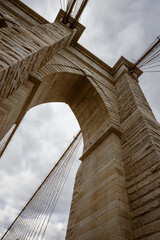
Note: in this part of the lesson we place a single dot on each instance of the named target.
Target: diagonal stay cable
(34, 205)
(61, 187)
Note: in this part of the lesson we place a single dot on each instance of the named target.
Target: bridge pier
(117, 187)
(100, 208)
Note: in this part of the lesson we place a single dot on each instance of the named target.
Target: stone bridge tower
(117, 186)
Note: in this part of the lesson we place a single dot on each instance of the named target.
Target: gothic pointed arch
(64, 82)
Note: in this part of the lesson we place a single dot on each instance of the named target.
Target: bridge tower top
(73, 12)
(116, 192)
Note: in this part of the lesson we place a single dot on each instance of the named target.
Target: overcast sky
(113, 28)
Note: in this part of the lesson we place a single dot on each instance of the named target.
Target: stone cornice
(122, 74)
(109, 131)
(90, 55)
(69, 50)
(124, 62)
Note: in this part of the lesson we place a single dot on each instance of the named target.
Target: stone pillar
(100, 206)
(23, 51)
(140, 141)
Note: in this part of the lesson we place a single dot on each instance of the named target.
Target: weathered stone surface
(117, 189)
(140, 143)
(24, 50)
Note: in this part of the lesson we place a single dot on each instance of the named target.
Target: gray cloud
(30, 156)
(113, 28)
(120, 28)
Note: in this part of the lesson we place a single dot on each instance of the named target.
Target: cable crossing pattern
(32, 221)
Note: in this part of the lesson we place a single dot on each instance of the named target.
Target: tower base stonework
(117, 187)
(140, 141)
(117, 184)
(100, 207)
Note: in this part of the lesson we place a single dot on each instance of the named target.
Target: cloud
(113, 28)
(48, 8)
(41, 139)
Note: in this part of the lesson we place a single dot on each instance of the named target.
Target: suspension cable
(150, 59)
(31, 223)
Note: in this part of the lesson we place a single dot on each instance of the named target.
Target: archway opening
(37, 145)
(84, 98)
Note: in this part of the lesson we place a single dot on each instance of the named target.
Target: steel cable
(33, 220)
(45, 212)
(150, 60)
